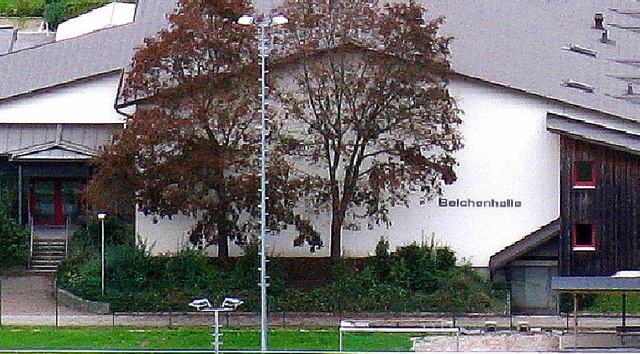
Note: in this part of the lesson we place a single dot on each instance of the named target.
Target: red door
(53, 201)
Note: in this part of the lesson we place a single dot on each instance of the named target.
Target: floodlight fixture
(200, 304)
(232, 302)
(279, 19)
(229, 304)
(246, 20)
(102, 215)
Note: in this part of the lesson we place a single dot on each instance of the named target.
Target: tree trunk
(223, 246)
(336, 236)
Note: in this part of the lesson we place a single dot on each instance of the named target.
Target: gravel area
(502, 342)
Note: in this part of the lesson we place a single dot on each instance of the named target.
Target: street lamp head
(102, 215)
(279, 19)
(276, 19)
(246, 20)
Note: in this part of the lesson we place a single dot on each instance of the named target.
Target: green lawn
(21, 7)
(192, 338)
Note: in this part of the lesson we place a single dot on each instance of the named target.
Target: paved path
(28, 299)
(30, 294)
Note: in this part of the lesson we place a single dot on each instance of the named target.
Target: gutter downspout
(116, 105)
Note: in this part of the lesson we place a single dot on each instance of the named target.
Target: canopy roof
(595, 284)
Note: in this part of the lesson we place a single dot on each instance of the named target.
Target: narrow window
(584, 237)
(584, 174)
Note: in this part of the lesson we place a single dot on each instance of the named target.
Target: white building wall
(508, 157)
(109, 15)
(83, 101)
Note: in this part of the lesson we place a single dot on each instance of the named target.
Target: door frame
(58, 199)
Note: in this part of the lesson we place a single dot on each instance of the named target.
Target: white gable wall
(84, 101)
(109, 15)
(508, 157)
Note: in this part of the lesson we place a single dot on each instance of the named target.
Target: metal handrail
(66, 238)
(31, 241)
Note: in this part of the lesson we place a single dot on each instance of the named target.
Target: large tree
(363, 90)
(191, 145)
(367, 105)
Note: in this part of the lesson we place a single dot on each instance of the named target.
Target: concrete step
(47, 254)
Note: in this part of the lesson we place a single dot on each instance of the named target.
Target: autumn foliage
(368, 103)
(363, 119)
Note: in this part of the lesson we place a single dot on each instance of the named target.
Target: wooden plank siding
(613, 207)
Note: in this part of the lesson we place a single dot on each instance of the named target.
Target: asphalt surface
(28, 299)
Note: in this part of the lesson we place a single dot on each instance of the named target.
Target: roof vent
(630, 88)
(582, 50)
(605, 38)
(579, 86)
(599, 19)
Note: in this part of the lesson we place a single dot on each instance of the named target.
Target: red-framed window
(584, 237)
(584, 174)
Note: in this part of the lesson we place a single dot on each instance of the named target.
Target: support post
(216, 332)
(102, 256)
(0, 302)
(575, 314)
(624, 309)
(264, 321)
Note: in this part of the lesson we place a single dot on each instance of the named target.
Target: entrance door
(53, 201)
(531, 289)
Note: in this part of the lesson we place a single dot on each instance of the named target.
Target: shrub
(14, 240)
(382, 263)
(415, 278)
(415, 269)
(88, 235)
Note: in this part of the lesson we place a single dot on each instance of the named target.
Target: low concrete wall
(68, 299)
(22, 23)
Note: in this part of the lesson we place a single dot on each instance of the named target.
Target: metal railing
(31, 230)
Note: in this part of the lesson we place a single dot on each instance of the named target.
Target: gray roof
(99, 52)
(598, 132)
(29, 142)
(594, 284)
(528, 243)
(527, 45)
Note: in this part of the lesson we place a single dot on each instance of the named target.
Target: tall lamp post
(264, 48)
(101, 217)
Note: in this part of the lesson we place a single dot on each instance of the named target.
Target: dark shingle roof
(528, 243)
(99, 52)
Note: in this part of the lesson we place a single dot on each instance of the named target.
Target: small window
(584, 237)
(584, 174)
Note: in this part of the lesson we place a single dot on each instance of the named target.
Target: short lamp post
(101, 217)
(228, 305)
(264, 48)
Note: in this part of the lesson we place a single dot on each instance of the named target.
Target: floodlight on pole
(101, 217)
(229, 304)
(264, 48)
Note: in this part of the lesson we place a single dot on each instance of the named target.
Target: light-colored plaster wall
(84, 101)
(508, 155)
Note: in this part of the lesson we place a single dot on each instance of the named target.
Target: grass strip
(192, 338)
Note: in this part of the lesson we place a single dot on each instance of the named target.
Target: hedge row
(414, 278)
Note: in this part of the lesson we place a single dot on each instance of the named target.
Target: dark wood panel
(612, 207)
